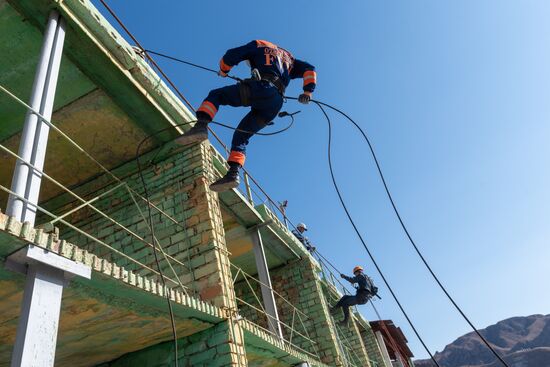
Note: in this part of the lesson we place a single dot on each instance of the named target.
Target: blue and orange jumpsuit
(266, 99)
(365, 287)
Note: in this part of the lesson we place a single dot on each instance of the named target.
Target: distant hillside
(522, 341)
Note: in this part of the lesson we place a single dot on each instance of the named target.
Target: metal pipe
(247, 186)
(36, 335)
(21, 173)
(42, 130)
(265, 285)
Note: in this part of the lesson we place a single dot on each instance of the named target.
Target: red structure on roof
(395, 341)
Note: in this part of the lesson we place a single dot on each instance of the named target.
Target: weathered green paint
(20, 48)
(92, 120)
(131, 104)
(208, 348)
(103, 317)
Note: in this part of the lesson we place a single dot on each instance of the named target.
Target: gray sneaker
(196, 134)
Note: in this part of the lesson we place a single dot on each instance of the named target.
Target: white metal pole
(266, 287)
(383, 348)
(42, 132)
(36, 336)
(21, 172)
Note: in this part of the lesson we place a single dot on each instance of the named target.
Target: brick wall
(178, 185)
(373, 349)
(350, 337)
(196, 240)
(219, 346)
(298, 283)
(250, 293)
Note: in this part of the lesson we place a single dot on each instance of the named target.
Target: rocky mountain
(522, 341)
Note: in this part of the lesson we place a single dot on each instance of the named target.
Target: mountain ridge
(523, 341)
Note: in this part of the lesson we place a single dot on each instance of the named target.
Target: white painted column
(383, 348)
(34, 138)
(46, 272)
(267, 291)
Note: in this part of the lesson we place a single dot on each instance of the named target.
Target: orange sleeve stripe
(310, 77)
(237, 157)
(208, 108)
(224, 67)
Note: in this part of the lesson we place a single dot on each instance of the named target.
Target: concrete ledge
(32, 254)
(257, 336)
(23, 234)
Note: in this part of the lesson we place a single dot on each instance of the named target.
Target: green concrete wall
(209, 348)
(299, 284)
(373, 349)
(355, 352)
(178, 185)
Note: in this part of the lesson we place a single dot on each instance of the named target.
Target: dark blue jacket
(303, 239)
(364, 283)
(271, 59)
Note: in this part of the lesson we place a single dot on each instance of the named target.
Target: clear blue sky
(455, 96)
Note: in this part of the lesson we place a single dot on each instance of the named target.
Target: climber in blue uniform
(272, 69)
(365, 291)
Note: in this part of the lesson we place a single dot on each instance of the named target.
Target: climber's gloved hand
(304, 98)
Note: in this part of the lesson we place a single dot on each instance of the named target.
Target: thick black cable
(258, 133)
(336, 187)
(190, 64)
(150, 216)
(405, 229)
(352, 222)
(227, 127)
(387, 192)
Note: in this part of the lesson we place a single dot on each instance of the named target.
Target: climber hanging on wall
(365, 291)
(272, 69)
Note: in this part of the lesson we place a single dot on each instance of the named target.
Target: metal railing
(292, 330)
(120, 254)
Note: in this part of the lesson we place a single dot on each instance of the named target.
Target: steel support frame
(46, 273)
(34, 138)
(383, 348)
(268, 296)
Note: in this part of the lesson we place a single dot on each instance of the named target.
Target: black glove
(342, 276)
(304, 98)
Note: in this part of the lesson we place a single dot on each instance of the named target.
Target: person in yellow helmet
(365, 291)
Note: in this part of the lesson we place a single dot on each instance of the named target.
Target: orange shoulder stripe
(262, 43)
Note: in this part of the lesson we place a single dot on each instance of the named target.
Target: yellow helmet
(357, 268)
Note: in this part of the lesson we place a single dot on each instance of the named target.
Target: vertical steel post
(38, 322)
(383, 348)
(267, 291)
(34, 138)
(248, 190)
(36, 337)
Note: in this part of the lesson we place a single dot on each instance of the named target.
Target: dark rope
(344, 206)
(320, 104)
(409, 237)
